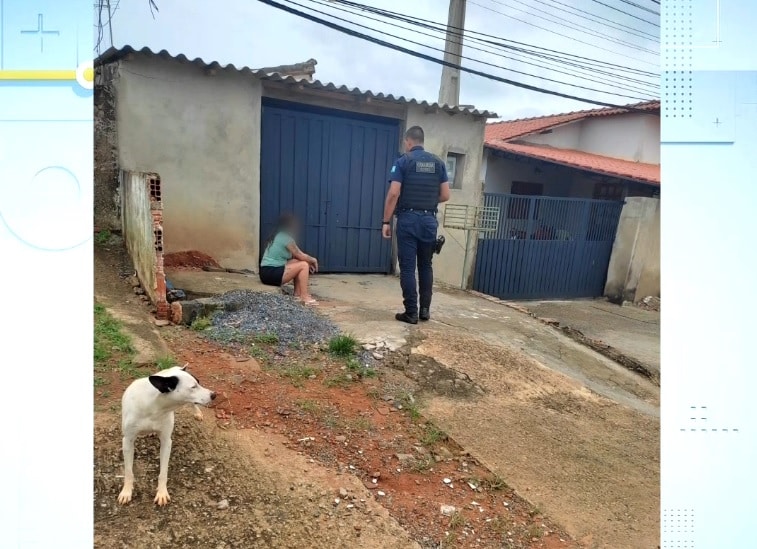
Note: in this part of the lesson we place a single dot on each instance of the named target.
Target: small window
(455, 170)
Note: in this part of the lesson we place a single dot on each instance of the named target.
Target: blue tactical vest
(420, 188)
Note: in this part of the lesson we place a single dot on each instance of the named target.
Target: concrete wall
(107, 201)
(634, 137)
(634, 270)
(201, 134)
(461, 134)
(143, 234)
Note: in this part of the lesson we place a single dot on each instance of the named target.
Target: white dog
(148, 406)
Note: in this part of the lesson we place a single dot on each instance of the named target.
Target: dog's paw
(125, 496)
(198, 415)
(162, 498)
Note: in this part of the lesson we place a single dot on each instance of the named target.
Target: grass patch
(493, 483)
(165, 362)
(359, 369)
(201, 323)
(339, 380)
(298, 373)
(456, 521)
(534, 531)
(343, 345)
(266, 339)
(535, 511)
(422, 465)
(111, 344)
(259, 353)
(102, 237)
(359, 424)
(309, 406)
(408, 403)
(432, 435)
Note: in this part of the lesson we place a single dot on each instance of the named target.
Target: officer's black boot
(424, 314)
(404, 317)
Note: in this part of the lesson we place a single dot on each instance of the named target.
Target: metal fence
(546, 247)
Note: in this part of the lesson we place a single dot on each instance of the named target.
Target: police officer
(417, 184)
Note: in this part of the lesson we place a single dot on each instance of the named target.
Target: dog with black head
(148, 406)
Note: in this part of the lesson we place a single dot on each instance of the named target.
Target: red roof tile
(512, 129)
(648, 173)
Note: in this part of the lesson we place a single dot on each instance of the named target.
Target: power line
(419, 55)
(587, 73)
(530, 49)
(643, 8)
(575, 26)
(589, 16)
(561, 34)
(488, 63)
(625, 12)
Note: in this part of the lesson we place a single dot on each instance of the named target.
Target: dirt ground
(294, 453)
(591, 464)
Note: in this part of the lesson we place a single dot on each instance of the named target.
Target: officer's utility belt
(417, 210)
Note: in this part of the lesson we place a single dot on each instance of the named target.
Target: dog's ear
(164, 384)
(185, 366)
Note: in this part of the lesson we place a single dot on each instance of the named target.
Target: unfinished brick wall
(142, 221)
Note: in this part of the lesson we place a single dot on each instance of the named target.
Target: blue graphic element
(41, 32)
(41, 35)
(64, 175)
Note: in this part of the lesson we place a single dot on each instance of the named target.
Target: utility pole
(449, 90)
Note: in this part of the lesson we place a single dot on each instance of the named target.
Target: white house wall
(557, 180)
(634, 137)
(201, 135)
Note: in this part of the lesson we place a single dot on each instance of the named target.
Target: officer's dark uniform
(420, 174)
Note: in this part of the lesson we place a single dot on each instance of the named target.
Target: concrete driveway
(569, 429)
(633, 332)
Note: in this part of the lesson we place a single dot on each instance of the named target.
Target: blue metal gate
(546, 248)
(330, 169)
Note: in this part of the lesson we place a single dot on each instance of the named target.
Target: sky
(250, 33)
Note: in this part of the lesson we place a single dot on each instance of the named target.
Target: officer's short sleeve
(397, 172)
(443, 177)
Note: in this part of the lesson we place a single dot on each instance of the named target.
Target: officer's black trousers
(416, 238)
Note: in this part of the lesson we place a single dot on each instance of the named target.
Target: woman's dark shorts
(271, 276)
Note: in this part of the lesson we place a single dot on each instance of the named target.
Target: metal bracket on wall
(471, 219)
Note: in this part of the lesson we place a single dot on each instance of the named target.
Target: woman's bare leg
(293, 273)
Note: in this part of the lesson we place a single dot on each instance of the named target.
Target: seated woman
(284, 262)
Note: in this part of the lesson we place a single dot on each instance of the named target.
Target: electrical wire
(643, 8)
(589, 16)
(573, 26)
(530, 49)
(625, 12)
(574, 39)
(461, 68)
(587, 74)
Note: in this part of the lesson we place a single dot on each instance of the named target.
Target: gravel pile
(249, 313)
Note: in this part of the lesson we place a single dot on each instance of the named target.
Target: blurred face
(294, 227)
(408, 145)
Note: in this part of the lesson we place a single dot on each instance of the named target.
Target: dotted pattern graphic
(699, 422)
(678, 79)
(678, 529)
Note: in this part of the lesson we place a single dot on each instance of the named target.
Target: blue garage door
(330, 169)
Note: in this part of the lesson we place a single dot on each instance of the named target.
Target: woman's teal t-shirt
(277, 254)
